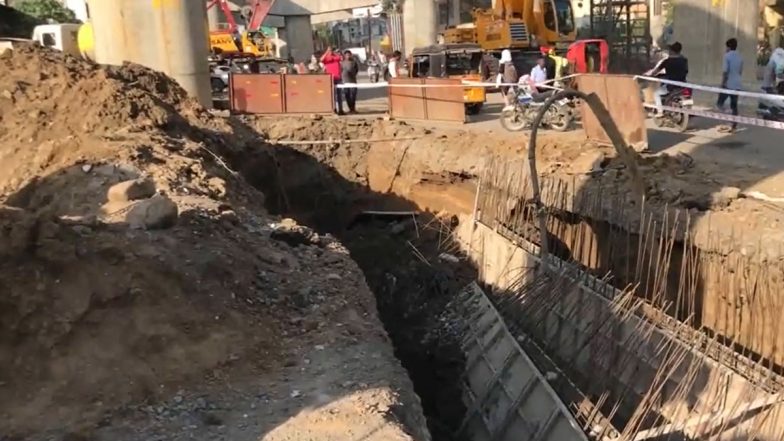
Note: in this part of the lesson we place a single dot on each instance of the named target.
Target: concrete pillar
(420, 24)
(454, 12)
(106, 17)
(214, 17)
(703, 26)
(184, 45)
(166, 35)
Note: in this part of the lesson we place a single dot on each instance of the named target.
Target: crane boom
(260, 11)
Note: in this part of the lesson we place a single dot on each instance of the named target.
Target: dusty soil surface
(438, 168)
(120, 319)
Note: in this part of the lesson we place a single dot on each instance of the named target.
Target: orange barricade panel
(256, 93)
(623, 99)
(445, 103)
(407, 102)
(309, 94)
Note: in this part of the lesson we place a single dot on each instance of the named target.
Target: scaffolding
(625, 25)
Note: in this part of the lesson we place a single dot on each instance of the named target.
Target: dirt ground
(122, 320)
(253, 291)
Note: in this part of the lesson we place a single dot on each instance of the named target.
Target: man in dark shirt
(549, 63)
(674, 68)
(349, 71)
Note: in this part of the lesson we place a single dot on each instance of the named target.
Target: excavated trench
(398, 248)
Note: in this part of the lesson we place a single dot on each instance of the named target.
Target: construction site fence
(273, 94)
(438, 99)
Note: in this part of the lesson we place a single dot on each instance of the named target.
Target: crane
(520, 24)
(252, 41)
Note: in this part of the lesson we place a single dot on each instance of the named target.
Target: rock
(87, 167)
(7, 94)
(588, 162)
(178, 399)
(295, 394)
(724, 197)
(446, 257)
(158, 212)
(334, 276)
(6, 54)
(217, 185)
(131, 190)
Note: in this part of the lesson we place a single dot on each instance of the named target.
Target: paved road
(758, 151)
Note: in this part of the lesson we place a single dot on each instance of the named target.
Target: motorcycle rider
(675, 67)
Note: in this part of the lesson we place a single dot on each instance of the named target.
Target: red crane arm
(261, 9)
(224, 6)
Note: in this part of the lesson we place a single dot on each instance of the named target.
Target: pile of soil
(99, 312)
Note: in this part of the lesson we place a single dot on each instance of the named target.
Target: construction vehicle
(519, 25)
(248, 42)
(463, 61)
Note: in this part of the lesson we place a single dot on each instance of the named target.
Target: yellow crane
(519, 24)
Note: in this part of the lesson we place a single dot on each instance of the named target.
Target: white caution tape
(757, 95)
(464, 84)
(724, 117)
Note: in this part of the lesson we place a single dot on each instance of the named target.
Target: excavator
(251, 42)
(519, 25)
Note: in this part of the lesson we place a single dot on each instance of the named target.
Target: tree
(47, 10)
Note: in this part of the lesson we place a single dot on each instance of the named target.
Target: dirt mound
(134, 262)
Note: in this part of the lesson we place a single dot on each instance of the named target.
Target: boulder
(132, 190)
(158, 212)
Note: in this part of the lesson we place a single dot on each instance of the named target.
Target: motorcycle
(772, 109)
(374, 72)
(521, 114)
(679, 98)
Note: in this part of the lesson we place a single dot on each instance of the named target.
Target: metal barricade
(444, 102)
(622, 97)
(269, 94)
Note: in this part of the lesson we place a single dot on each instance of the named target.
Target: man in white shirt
(393, 69)
(539, 72)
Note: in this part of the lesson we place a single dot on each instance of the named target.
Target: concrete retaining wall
(714, 388)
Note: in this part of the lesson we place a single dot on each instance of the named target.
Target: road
(754, 154)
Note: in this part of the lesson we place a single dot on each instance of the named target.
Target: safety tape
(464, 84)
(757, 95)
(723, 117)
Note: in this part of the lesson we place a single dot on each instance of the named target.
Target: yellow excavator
(519, 25)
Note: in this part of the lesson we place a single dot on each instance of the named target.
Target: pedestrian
(507, 74)
(331, 62)
(349, 72)
(314, 66)
(731, 78)
(774, 71)
(539, 72)
(549, 63)
(393, 70)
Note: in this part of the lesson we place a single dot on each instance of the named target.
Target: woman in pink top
(331, 62)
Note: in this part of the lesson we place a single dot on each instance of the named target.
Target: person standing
(731, 77)
(394, 65)
(507, 74)
(549, 62)
(349, 72)
(331, 63)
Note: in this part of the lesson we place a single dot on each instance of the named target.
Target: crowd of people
(344, 69)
